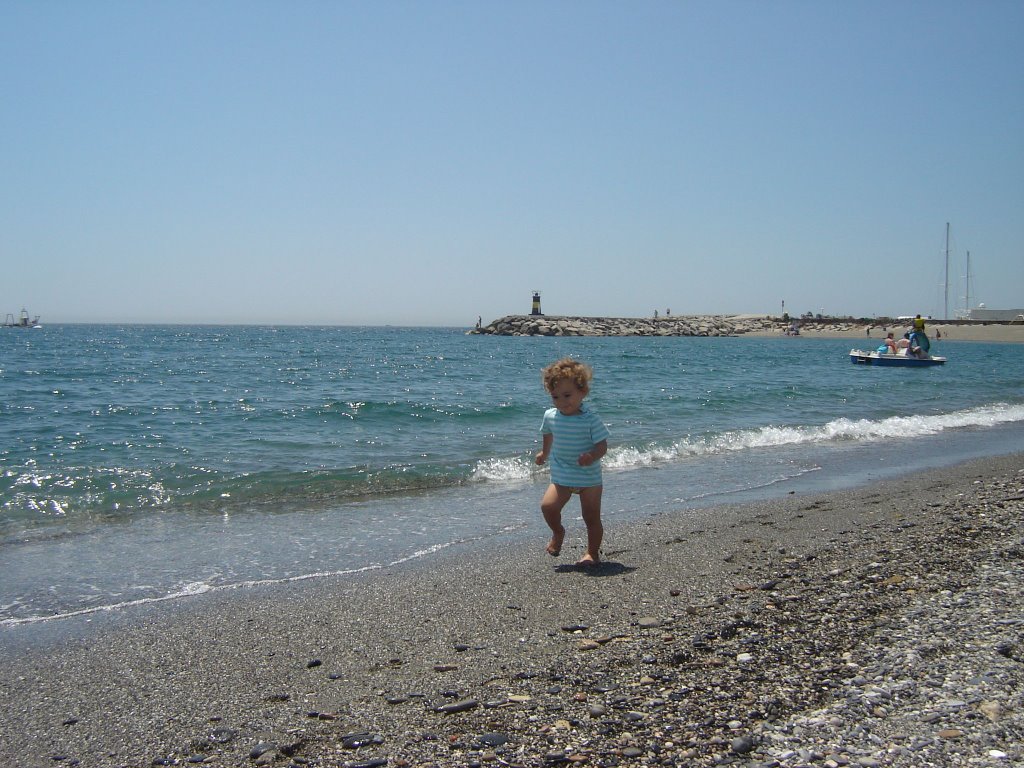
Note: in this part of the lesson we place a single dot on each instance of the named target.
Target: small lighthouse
(536, 304)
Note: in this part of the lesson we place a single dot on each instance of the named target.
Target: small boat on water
(912, 351)
(874, 357)
(23, 321)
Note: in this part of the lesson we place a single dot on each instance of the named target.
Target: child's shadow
(604, 568)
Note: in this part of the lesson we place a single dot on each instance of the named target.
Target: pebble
(459, 706)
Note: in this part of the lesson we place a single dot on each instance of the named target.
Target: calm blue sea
(148, 463)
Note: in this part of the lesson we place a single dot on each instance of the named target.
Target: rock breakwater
(681, 325)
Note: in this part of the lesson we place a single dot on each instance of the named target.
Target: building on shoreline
(996, 315)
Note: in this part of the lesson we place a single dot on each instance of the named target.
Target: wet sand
(738, 634)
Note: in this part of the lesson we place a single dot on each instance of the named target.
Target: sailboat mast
(967, 283)
(945, 306)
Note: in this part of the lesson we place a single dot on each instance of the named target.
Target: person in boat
(919, 344)
(890, 344)
(919, 323)
(903, 343)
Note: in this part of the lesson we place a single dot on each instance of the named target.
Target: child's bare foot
(555, 545)
(588, 561)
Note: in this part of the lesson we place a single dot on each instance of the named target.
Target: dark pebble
(459, 706)
(358, 740)
(742, 744)
(260, 749)
(313, 663)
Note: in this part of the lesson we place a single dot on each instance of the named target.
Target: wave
(193, 589)
(835, 431)
(40, 498)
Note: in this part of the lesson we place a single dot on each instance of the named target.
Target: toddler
(575, 439)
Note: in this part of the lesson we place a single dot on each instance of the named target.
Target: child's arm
(545, 448)
(594, 454)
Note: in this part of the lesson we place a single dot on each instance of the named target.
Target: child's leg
(590, 502)
(555, 497)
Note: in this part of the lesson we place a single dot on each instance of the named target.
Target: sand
(992, 332)
(516, 644)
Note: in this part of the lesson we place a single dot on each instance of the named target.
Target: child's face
(567, 397)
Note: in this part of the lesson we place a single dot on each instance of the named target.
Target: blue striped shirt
(571, 436)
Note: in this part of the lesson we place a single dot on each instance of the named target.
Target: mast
(967, 283)
(945, 307)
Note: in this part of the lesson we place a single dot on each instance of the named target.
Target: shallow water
(152, 463)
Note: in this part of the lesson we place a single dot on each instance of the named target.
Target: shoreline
(874, 624)
(995, 333)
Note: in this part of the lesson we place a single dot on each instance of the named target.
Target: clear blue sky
(428, 162)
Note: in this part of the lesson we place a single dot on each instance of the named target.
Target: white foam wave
(837, 430)
(200, 588)
(502, 469)
(188, 590)
(518, 468)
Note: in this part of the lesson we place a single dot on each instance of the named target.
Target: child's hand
(541, 458)
(586, 459)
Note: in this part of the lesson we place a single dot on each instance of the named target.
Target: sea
(151, 464)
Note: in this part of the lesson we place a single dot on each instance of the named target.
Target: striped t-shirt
(573, 435)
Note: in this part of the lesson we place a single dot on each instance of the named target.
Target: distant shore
(738, 325)
(949, 332)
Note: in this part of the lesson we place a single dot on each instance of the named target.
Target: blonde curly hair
(578, 373)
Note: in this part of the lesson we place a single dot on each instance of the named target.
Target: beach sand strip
(882, 625)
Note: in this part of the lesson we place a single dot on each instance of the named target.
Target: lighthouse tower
(536, 304)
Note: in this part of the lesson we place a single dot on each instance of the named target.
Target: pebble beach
(882, 626)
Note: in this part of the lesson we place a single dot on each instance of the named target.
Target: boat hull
(861, 357)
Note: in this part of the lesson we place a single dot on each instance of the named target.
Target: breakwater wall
(673, 325)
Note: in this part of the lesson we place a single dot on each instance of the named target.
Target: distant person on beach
(575, 439)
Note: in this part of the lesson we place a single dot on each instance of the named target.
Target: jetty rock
(672, 325)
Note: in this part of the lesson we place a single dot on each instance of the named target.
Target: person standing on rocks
(575, 439)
